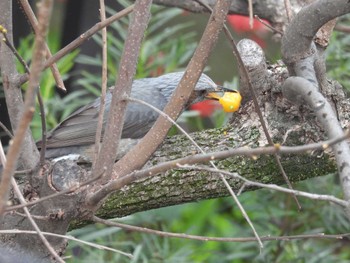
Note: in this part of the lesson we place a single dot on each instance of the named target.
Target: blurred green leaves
(158, 54)
(56, 107)
(338, 58)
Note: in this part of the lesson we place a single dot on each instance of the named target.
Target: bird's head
(203, 88)
(207, 89)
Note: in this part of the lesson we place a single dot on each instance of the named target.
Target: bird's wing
(79, 128)
(140, 118)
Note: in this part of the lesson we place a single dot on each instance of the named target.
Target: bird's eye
(202, 92)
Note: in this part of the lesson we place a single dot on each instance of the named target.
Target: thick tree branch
(179, 186)
(123, 84)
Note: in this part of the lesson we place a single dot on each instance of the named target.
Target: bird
(76, 134)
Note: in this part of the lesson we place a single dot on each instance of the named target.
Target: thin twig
(329, 198)
(217, 239)
(43, 128)
(85, 36)
(288, 10)
(167, 117)
(342, 28)
(268, 26)
(82, 38)
(28, 215)
(103, 83)
(14, 51)
(2, 155)
(34, 23)
(251, 14)
(33, 223)
(44, 12)
(7, 131)
(246, 77)
(46, 218)
(18, 231)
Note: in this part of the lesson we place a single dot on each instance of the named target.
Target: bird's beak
(218, 93)
(229, 99)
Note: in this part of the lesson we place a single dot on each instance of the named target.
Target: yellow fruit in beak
(231, 101)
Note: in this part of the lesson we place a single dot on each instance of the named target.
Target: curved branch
(300, 90)
(299, 54)
(297, 39)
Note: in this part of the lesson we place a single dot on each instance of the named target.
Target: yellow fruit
(231, 101)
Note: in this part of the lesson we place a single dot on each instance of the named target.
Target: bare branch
(9, 134)
(103, 84)
(271, 10)
(72, 189)
(11, 87)
(29, 105)
(299, 54)
(245, 215)
(17, 231)
(34, 23)
(288, 10)
(268, 26)
(85, 36)
(217, 239)
(296, 43)
(247, 182)
(123, 84)
(342, 28)
(40, 100)
(300, 91)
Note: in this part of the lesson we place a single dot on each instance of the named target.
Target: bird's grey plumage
(80, 127)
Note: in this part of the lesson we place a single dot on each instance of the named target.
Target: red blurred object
(240, 24)
(206, 107)
(261, 42)
(160, 70)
